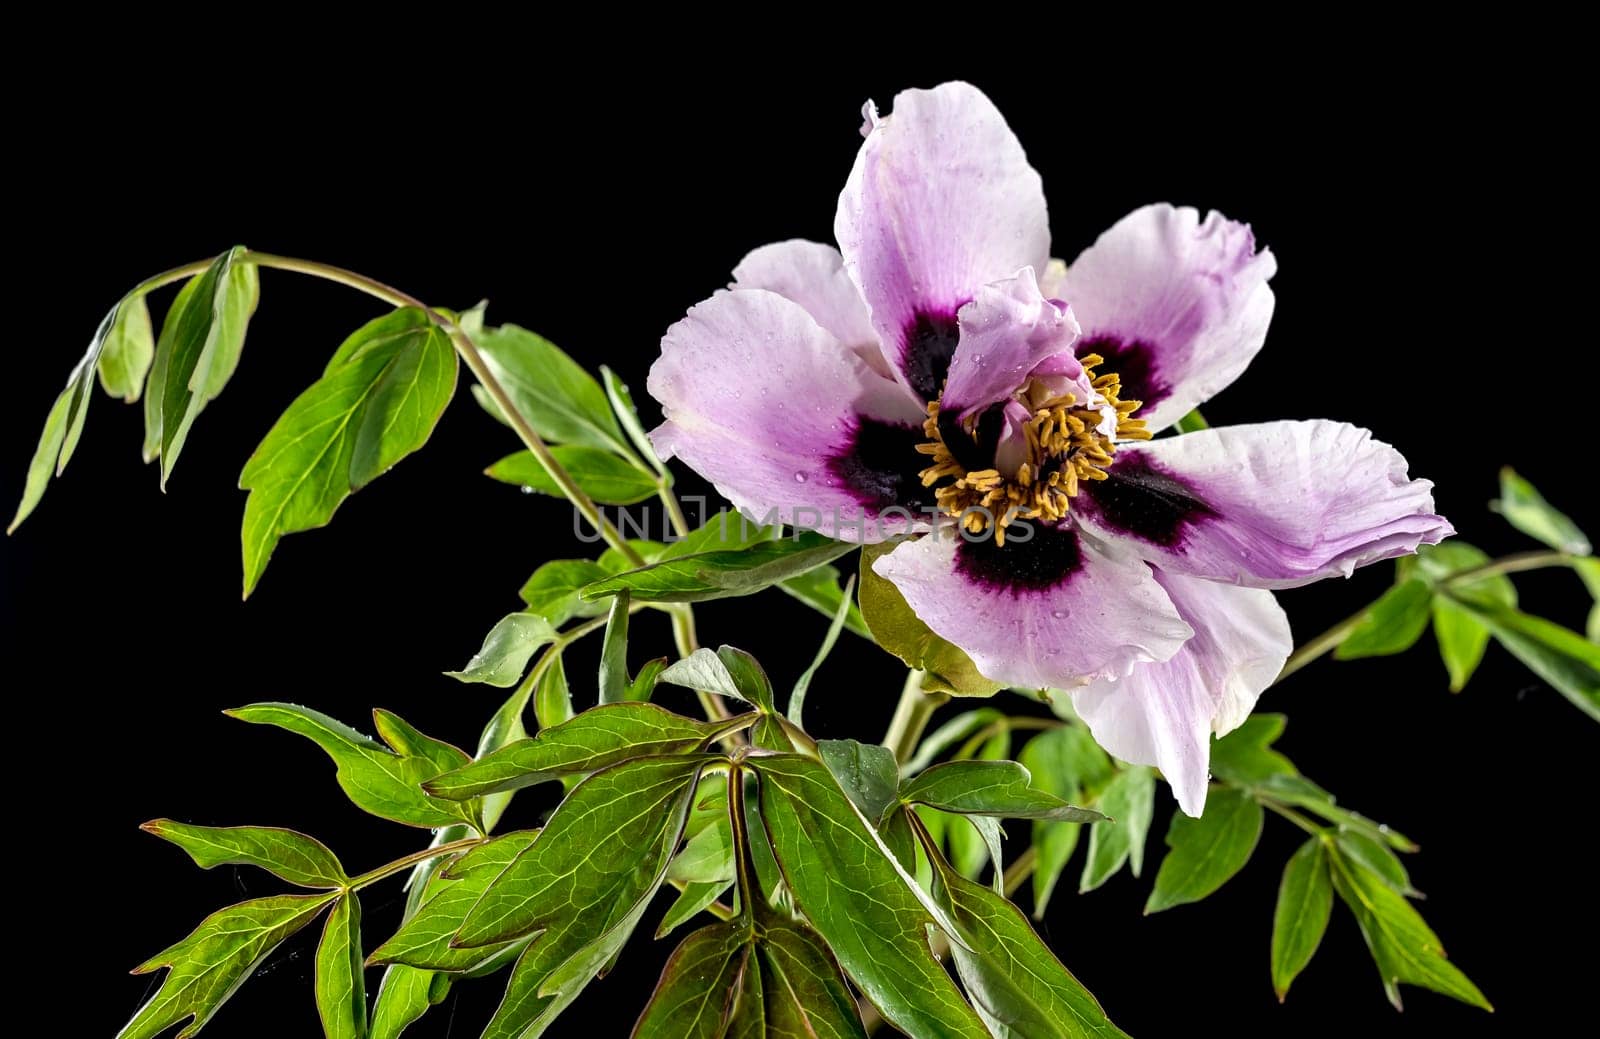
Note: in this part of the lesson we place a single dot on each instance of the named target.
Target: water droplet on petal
(1059, 615)
(799, 477)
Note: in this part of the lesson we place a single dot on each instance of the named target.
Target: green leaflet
(1305, 899)
(975, 840)
(727, 672)
(1245, 756)
(1129, 800)
(691, 902)
(1377, 857)
(866, 772)
(376, 402)
(340, 988)
(563, 403)
(622, 404)
(1003, 789)
(727, 531)
(615, 685)
(295, 857)
(1066, 762)
(900, 631)
(707, 857)
(948, 735)
(1018, 985)
(507, 649)
(423, 941)
(1462, 637)
(129, 348)
(552, 697)
(862, 904)
(1208, 851)
(208, 966)
(1392, 624)
(720, 574)
(693, 998)
(1403, 947)
(820, 589)
(404, 996)
(377, 779)
(1301, 792)
(199, 348)
(1563, 658)
(1525, 508)
(597, 738)
(603, 476)
(552, 591)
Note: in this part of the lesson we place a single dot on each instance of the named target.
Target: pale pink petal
(1273, 505)
(812, 274)
(1164, 714)
(1007, 331)
(1177, 306)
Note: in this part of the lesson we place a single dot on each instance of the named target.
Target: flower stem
(373, 876)
(911, 716)
(1322, 644)
(1511, 564)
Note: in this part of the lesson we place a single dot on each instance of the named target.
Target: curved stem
(1511, 564)
(1322, 644)
(389, 870)
(911, 716)
(165, 278)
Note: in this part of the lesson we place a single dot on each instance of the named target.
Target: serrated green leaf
(377, 401)
(695, 997)
(1129, 800)
(1064, 761)
(1018, 985)
(404, 996)
(1525, 508)
(340, 986)
(899, 630)
(691, 902)
(199, 348)
(129, 348)
(865, 771)
(506, 650)
(820, 589)
(562, 402)
(1305, 899)
(718, 575)
(1245, 755)
(1206, 852)
(215, 959)
(603, 476)
(552, 591)
(725, 671)
(1566, 660)
(1003, 789)
(295, 857)
(1392, 624)
(859, 900)
(376, 779)
(1403, 947)
(596, 739)
(423, 941)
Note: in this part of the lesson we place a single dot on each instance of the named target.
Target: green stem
(166, 278)
(1021, 869)
(1321, 645)
(1293, 816)
(372, 877)
(1511, 564)
(1000, 725)
(911, 716)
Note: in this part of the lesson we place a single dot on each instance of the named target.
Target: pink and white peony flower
(940, 364)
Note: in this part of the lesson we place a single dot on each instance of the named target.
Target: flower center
(1064, 442)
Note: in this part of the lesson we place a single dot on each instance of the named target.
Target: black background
(1417, 210)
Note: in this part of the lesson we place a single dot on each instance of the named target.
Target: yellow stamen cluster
(1064, 448)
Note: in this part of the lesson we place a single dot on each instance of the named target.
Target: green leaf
(1064, 761)
(1376, 856)
(1439, 562)
(1305, 898)
(725, 672)
(507, 649)
(718, 575)
(976, 840)
(691, 902)
(1003, 789)
(859, 900)
(606, 478)
(1245, 755)
(1392, 624)
(199, 349)
(404, 996)
(606, 845)
(1300, 792)
(377, 780)
(866, 772)
(552, 591)
(552, 698)
(1566, 660)
(561, 401)
(1208, 851)
(1525, 508)
(727, 531)
(797, 696)
(44, 457)
(622, 404)
(1461, 636)
(820, 590)
(293, 856)
(1191, 422)
(376, 402)
(707, 857)
(900, 631)
(341, 989)
(693, 999)
(803, 993)
(948, 735)
(1403, 947)
(1129, 802)
(423, 941)
(614, 682)
(129, 348)
(596, 739)
(1589, 570)
(209, 966)
(1018, 985)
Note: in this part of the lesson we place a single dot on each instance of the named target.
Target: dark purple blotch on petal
(882, 465)
(1132, 359)
(929, 342)
(975, 450)
(1143, 500)
(1046, 560)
